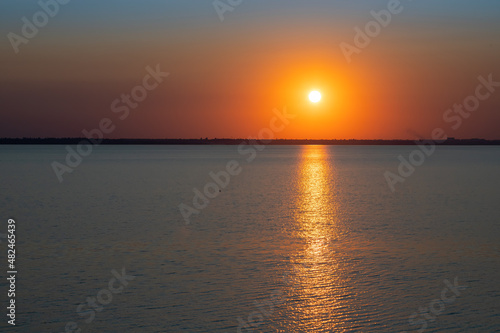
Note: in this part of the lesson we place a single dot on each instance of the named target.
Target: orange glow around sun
(350, 104)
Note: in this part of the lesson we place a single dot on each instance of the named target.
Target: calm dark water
(304, 239)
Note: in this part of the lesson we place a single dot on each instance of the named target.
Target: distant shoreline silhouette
(215, 141)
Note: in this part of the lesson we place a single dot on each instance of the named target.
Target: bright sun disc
(315, 96)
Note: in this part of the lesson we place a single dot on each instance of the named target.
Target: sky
(225, 77)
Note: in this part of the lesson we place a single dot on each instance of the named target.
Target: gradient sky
(227, 77)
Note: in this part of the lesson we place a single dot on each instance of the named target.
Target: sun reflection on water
(316, 297)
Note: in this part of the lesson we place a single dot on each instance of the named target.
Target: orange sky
(227, 77)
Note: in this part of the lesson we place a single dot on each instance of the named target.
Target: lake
(299, 239)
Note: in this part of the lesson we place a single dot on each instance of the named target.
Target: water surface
(304, 239)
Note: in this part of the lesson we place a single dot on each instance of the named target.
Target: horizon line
(233, 141)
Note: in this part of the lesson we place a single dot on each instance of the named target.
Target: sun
(315, 96)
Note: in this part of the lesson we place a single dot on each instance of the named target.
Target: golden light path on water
(316, 292)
